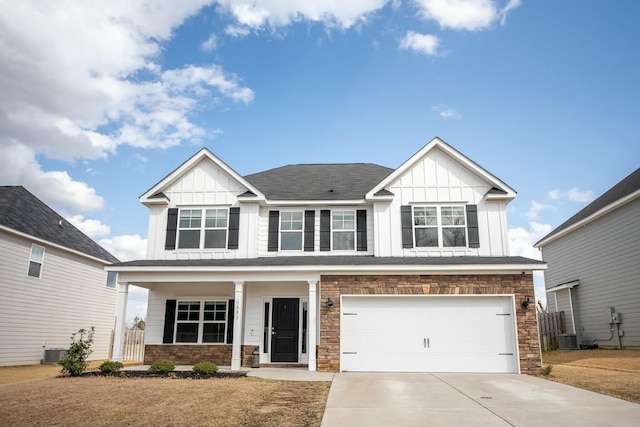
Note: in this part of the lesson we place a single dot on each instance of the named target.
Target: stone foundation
(519, 285)
(188, 354)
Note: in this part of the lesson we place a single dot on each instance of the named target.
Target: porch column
(238, 324)
(312, 327)
(121, 318)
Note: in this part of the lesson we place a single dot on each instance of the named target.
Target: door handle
(426, 343)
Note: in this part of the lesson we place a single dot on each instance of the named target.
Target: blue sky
(102, 99)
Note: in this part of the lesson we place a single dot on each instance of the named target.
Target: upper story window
(440, 226)
(343, 227)
(291, 229)
(36, 258)
(201, 322)
(112, 279)
(202, 228)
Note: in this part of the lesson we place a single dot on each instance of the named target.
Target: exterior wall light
(526, 303)
(329, 302)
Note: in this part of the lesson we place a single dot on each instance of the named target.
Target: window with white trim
(291, 229)
(196, 233)
(36, 258)
(440, 226)
(201, 322)
(343, 230)
(112, 279)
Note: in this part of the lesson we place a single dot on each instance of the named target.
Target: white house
(337, 267)
(52, 282)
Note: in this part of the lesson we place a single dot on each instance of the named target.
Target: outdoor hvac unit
(567, 342)
(54, 355)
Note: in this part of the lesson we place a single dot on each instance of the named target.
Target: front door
(285, 328)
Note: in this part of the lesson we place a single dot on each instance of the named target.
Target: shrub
(76, 361)
(205, 368)
(110, 366)
(547, 370)
(162, 367)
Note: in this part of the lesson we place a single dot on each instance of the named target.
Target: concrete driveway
(405, 399)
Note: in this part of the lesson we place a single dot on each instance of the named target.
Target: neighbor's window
(35, 261)
(194, 233)
(440, 226)
(343, 225)
(112, 279)
(291, 231)
(201, 322)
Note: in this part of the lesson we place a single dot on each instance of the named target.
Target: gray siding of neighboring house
(604, 256)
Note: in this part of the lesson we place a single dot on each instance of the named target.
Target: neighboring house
(594, 269)
(338, 267)
(52, 282)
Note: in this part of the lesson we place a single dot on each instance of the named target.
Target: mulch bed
(175, 374)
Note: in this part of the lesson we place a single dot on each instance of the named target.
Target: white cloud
(125, 247)
(469, 15)
(18, 166)
(91, 227)
(446, 112)
(257, 14)
(237, 31)
(137, 303)
(535, 208)
(521, 243)
(210, 43)
(574, 195)
(426, 44)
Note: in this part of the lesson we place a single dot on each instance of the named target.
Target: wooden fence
(133, 347)
(550, 325)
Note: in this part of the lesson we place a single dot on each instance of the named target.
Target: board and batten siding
(440, 179)
(38, 313)
(604, 256)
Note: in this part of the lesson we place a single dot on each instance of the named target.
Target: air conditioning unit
(567, 342)
(54, 355)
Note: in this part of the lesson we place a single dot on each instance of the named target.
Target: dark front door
(284, 332)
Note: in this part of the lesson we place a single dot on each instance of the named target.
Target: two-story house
(338, 267)
(52, 283)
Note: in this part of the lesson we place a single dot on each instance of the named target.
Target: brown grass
(14, 374)
(612, 372)
(99, 401)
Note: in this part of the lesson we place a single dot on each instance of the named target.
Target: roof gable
(623, 192)
(319, 181)
(150, 197)
(23, 212)
(498, 189)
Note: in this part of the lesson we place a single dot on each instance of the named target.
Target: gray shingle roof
(319, 182)
(622, 189)
(22, 211)
(353, 260)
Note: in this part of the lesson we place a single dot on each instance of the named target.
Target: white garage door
(428, 334)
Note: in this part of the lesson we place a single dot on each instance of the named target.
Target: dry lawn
(99, 401)
(612, 372)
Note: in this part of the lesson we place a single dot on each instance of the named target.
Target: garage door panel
(428, 334)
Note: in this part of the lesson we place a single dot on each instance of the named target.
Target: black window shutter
(325, 230)
(172, 229)
(274, 219)
(309, 225)
(231, 308)
(361, 229)
(472, 226)
(234, 228)
(169, 321)
(406, 218)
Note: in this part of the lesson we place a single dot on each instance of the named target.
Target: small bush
(76, 361)
(110, 366)
(162, 367)
(547, 370)
(205, 368)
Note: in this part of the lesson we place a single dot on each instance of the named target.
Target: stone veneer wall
(520, 285)
(188, 354)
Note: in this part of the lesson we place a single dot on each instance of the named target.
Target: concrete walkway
(406, 400)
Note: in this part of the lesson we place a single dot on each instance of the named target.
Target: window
(343, 225)
(201, 322)
(194, 233)
(440, 226)
(35, 261)
(112, 279)
(291, 231)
